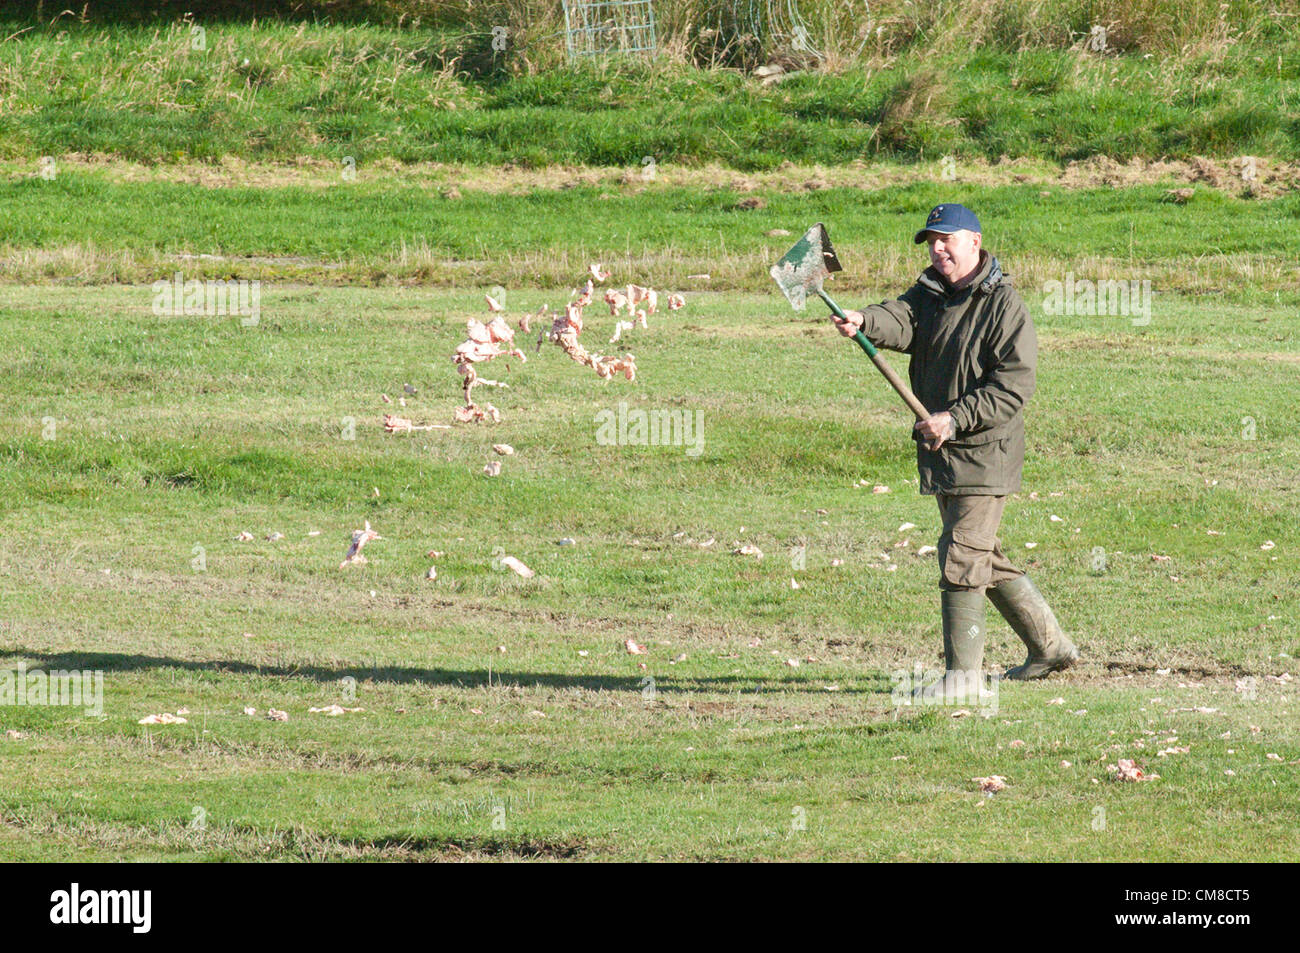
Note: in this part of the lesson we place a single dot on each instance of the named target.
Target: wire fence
(774, 21)
(600, 27)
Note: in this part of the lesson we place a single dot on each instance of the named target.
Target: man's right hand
(856, 319)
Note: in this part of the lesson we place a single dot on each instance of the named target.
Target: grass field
(486, 732)
(372, 169)
(95, 221)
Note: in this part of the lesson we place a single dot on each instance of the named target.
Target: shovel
(802, 270)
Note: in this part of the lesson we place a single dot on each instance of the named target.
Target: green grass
(503, 716)
(175, 432)
(387, 227)
(274, 90)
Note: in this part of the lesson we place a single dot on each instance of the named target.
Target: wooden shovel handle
(891, 375)
(878, 359)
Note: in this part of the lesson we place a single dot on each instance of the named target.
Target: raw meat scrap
(359, 539)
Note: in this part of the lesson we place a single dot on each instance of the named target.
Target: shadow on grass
(120, 662)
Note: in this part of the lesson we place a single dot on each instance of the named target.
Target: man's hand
(937, 429)
(848, 328)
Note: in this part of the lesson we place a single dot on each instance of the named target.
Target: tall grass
(834, 34)
(830, 34)
(914, 81)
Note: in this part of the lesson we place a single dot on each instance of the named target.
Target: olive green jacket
(974, 354)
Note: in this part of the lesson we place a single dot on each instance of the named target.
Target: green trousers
(970, 553)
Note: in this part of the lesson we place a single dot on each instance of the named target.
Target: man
(974, 353)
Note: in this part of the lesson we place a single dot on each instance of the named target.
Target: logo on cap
(948, 219)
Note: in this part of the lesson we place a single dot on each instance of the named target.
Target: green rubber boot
(1024, 607)
(963, 650)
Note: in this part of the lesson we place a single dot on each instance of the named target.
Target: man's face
(954, 256)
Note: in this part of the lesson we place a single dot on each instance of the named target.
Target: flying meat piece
(616, 300)
(500, 331)
(565, 331)
(471, 352)
(471, 411)
(572, 318)
(626, 366)
(359, 539)
(486, 341)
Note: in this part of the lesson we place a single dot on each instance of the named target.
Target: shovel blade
(802, 269)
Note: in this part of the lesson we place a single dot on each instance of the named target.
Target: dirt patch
(1118, 671)
(1245, 175)
(1197, 670)
(524, 848)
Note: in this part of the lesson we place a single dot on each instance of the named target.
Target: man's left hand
(937, 429)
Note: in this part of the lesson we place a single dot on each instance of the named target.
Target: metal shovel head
(804, 267)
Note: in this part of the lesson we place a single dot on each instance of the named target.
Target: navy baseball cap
(948, 219)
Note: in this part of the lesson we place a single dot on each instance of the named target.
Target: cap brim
(919, 238)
